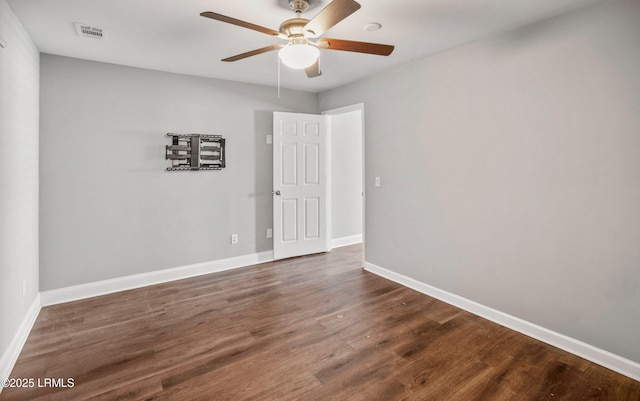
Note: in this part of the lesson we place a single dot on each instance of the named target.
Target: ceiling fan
(301, 50)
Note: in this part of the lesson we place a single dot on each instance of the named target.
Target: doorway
(346, 164)
(311, 213)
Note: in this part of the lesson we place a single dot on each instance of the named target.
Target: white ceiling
(170, 35)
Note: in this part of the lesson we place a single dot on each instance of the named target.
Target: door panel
(312, 129)
(289, 220)
(311, 163)
(289, 128)
(312, 218)
(300, 180)
(289, 163)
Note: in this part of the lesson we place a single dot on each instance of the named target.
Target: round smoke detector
(372, 26)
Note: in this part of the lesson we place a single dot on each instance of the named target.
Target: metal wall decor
(191, 152)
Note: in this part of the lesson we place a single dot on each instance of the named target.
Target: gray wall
(108, 208)
(19, 70)
(511, 172)
(346, 174)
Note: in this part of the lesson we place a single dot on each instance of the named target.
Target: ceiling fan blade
(353, 46)
(254, 52)
(333, 13)
(314, 70)
(244, 24)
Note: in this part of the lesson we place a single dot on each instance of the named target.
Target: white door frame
(337, 111)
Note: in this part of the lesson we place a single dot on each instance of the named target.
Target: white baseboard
(601, 357)
(10, 356)
(344, 241)
(82, 291)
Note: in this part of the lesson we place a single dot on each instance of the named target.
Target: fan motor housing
(294, 27)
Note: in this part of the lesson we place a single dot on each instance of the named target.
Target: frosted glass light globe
(299, 56)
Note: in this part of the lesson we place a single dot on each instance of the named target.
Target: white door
(299, 184)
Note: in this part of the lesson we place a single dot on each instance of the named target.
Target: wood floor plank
(311, 328)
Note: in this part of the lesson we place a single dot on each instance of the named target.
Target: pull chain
(278, 77)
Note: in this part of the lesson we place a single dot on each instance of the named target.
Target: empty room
(320, 200)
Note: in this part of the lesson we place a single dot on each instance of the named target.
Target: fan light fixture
(300, 52)
(299, 55)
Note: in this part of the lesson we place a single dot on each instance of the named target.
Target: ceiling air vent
(90, 31)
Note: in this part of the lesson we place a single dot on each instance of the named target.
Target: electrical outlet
(378, 182)
(269, 139)
(269, 233)
(234, 239)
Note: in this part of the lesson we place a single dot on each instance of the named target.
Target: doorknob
(277, 192)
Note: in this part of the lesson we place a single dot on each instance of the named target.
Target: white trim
(328, 217)
(344, 241)
(10, 355)
(601, 357)
(82, 291)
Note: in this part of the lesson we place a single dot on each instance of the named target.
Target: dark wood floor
(312, 328)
